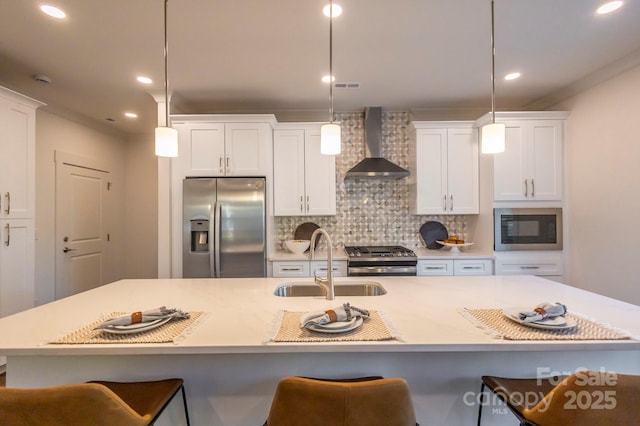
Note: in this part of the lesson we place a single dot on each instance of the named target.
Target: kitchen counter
(285, 255)
(231, 373)
(421, 253)
(445, 253)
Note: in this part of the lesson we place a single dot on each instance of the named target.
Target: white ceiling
(253, 56)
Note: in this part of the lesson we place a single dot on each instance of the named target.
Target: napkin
(346, 312)
(142, 317)
(543, 311)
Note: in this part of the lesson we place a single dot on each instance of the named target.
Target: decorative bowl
(297, 246)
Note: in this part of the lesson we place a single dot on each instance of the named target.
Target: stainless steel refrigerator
(224, 228)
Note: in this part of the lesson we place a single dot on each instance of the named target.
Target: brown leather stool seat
(586, 398)
(301, 401)
(93, 403)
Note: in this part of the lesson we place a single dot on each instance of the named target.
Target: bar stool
(97, 403)
(301, 401)
(585, 398)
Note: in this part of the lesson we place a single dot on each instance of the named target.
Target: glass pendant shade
(493, 138)
(330, 139)
(166, 142)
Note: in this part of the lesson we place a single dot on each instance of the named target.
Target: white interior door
(81, 234)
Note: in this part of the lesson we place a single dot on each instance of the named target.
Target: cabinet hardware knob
(8, 208)
(7, 242)
(451, 198)
(529, 267)
(67, 250)
(221, 166)
(526, 188)
(444, 202)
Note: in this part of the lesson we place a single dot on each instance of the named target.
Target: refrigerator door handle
(217, 228)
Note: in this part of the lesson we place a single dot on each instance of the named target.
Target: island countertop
(240, 314)
(231, 372)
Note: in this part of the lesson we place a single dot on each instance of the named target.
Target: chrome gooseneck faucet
(325, 283)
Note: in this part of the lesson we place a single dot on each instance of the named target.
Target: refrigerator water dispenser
(199, 236)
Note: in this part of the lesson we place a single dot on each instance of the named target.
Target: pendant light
(166, 137)
(493, 134)
(330, 134)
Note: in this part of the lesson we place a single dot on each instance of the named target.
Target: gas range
(380, 260)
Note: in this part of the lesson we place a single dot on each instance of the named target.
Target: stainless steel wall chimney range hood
(374, 166)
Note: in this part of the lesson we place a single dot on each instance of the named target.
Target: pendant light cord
(166, 68)
(330, 61)
(493, 69)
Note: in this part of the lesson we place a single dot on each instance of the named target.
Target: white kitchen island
(230, 372)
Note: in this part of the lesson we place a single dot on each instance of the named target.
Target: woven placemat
(374, 328)
(494, 322)
(166, 333)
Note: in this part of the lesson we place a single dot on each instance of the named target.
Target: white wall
(603, 177)
(56, 133)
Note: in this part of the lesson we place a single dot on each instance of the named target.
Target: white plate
(136, 328)
(352, 325)
(557, 323)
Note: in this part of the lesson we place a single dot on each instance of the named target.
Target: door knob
(67, 250)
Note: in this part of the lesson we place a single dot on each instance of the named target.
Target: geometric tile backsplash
(371, 211)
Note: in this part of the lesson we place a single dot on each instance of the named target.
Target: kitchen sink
(308, 289)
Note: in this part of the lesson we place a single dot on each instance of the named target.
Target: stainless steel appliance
(224, 228)
(380, 260)
(527, 229)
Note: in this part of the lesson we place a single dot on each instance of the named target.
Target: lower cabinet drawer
(473, 267)
(543, 268)
(530, 264)
(291, 268)
(435, 267)
(339, 268)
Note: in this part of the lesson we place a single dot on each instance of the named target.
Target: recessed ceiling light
(337, 10)
(53, 11)
(609, 7)
(325, 78)
(131, 114)
(512, 76)
(144, 80)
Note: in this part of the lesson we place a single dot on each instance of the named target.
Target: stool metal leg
(481, 403)
(184, 401)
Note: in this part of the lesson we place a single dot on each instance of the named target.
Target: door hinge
(109, 186)
(108, 237)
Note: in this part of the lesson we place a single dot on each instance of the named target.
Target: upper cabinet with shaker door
(444, 168)
(215, 148)
(17, 158)
(530, 169)
(304, 180)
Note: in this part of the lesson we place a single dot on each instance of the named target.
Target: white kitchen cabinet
(444, 168)
(17, 267)
(306, 268)
(304, 180)
(531, 168)
(472, 267)
(547, 264)
(17, 161)
(439, 267)
(223, 149)
(428, 267)
(17, 202)
(339, 268)
(291, 268)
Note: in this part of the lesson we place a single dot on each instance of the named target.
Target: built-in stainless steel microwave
(527, 229)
